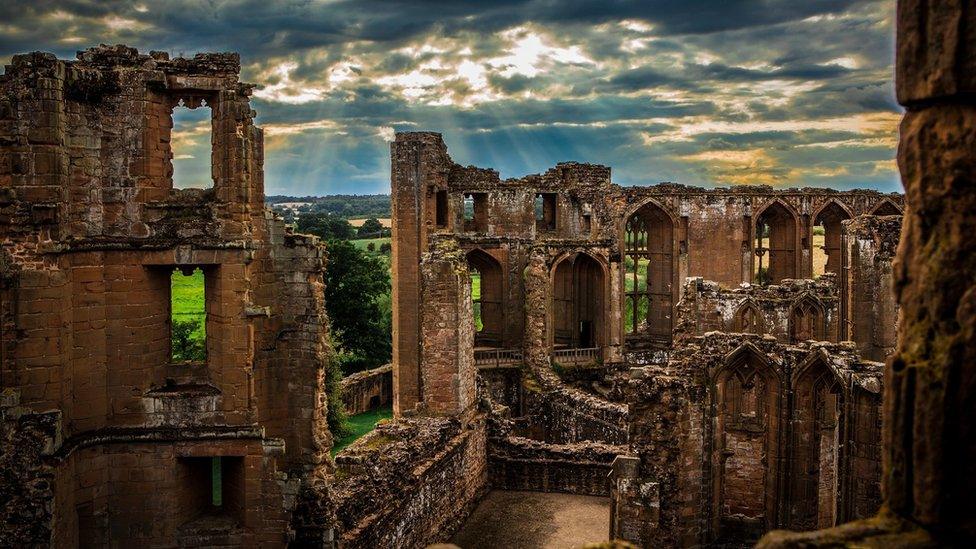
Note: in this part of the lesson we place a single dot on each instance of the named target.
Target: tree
(371, 227)
(184, 346)
(356, 286)
(325, 226)
(371, 247)
(385, 248)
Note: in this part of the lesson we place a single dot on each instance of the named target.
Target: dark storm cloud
(786, 91)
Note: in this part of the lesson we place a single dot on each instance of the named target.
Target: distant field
(819, 257)
(188, 299)
(377, 242)
(385, 221)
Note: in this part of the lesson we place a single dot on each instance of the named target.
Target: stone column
(447, 324)
(536, 349)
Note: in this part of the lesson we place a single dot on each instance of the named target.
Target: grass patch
(188, 300)
(360, 424)
(362, 243)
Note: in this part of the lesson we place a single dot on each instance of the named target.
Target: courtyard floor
(530, 520)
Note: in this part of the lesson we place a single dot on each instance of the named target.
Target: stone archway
(649, 273)
(815, 452)
(830, 218)
(487, 296)
(775, 241)
(746, 392)
(578, 302)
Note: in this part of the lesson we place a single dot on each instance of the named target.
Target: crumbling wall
(368, 390)
(560, 414)
(409, 483)
(708, 307)
(28, 487)
(717, 460)
(517, 463)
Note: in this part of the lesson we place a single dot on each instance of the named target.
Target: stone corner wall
(409, 483)
(447, 323)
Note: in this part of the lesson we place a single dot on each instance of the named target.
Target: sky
(789, 93)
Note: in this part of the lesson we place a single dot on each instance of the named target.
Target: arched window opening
(745, 445)
(886, 208)
(826, 239)
(578, 303)
(648, 273)
(748, 319)
(486, 297)
(806, 321)
(775, 246)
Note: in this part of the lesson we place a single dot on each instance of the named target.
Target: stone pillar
(868, 307)
(929, 450)
(656, 490)
(535, 348)
(447, 324)
(419, 166)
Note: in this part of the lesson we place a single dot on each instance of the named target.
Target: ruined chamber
(108, 439)
(693, 345)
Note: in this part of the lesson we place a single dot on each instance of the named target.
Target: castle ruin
(687, 352)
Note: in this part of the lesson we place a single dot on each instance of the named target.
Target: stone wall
(369, 390)
(517, 463)
(575, 217)
(26, 447)
(561, 414)
(409, 483)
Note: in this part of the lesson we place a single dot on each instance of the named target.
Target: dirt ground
(530, 520)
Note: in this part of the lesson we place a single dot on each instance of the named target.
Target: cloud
(708, 93)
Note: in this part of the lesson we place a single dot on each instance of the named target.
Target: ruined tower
(109, 439)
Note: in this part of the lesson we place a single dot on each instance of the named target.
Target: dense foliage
(357, 289)
(186, 344)
(372, 228)
(341, 205)
(336, 416)
(325, 226)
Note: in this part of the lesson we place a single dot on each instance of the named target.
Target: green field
(476, 297)
(377, 242)
(360, 425)
(188, 299)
